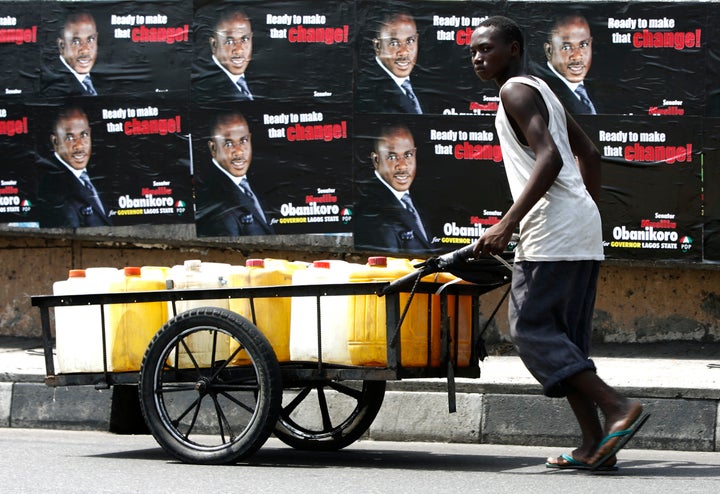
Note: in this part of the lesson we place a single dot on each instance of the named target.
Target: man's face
(394, 159)
(78, 45)
(232, 44)
(490, 54)
(72, 140)
(570, 51)
(231, 147)
(397, 47)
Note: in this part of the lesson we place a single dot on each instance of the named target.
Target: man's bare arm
(588, 157)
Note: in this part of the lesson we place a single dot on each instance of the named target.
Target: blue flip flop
(573, 464)
(624, 436)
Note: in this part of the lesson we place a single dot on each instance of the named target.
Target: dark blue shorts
(550, 311)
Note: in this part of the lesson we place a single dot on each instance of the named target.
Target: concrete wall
(636, 303)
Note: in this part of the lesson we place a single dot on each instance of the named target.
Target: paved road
(36, 460)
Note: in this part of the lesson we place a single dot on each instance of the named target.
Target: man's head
(396, 44)
(569, 47)
(71, 138)
(394, 157)
(496, 49)
(231, 41)
(230, 143)
(77, 42)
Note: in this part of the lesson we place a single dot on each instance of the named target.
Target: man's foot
(619, 432)
(568, 462)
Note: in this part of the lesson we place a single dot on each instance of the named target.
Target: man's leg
(587, 417)
(619, 412)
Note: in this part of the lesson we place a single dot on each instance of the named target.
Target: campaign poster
(711, 190)
(451, 167)
(18, 180)
(634, 58)
(272, 169)
(425, 44)
(136, 156)
(651, 200)
(19, 48)
(273, 51)
(115, 48)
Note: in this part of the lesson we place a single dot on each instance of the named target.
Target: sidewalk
(679, 384)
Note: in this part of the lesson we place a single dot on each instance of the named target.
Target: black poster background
(711, 191)
(643, 195)
(443, 78)
(133, 157)
(662, 81)
(19, 48)
(301, 49)
(460, 183)
(17, 173)
(291, 170)
(135, 56)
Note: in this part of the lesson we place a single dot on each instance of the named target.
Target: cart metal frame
(302, 377)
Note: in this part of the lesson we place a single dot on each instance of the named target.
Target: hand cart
(221, 407)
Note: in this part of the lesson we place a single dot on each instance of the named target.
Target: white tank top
(564, 225)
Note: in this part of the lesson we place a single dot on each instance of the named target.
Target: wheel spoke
(190, 354)
(290, 407)
(235, 387)
(324, 412)
(223, 422)
(238, 402)
(346, 390)
(175, 387)
(227, 361)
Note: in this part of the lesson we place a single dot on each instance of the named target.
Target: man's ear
(213, 44)
(211, 147)
(60, 45)
(54, 140)
(376, 46)
(374, 159)
(547, 47)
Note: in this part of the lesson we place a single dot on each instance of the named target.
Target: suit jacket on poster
(223, 209)
(571, 102)
(383, 224)
(376, 92)
(64, 202)
(210, 83)
(57, 81)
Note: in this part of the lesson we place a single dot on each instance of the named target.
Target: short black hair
(65, 113)
(388, 130)
(564, 20)
(223, 118)
(507, 27)
(389, 18)
(75, 18)
(228, 15)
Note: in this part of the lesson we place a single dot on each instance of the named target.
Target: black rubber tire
(313, 419)
(206, 407)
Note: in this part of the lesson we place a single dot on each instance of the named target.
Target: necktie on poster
(411, 209)
(245, 186)
(410, 94)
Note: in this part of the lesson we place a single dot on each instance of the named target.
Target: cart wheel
(328, 416)
(210, 387)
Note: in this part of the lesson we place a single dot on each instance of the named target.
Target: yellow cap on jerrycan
(367, 339)
(272, 314)
(333, 312)
(131, 326)
(78, 329)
